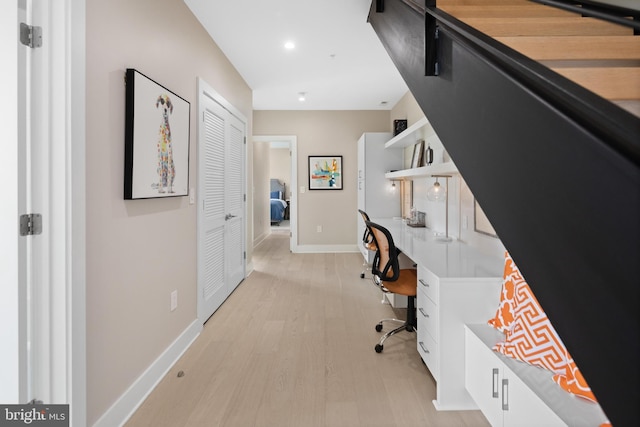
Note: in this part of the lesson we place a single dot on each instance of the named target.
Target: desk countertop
(447, 260)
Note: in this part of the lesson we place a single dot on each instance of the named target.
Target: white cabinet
(375, 194)
(444, 305)
(513, 393)
(427, 320)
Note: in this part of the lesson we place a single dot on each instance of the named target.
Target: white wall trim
(76, 211)
(131, 399)
(250, 268)
(9, 291)
(260, 239)
(324, 249)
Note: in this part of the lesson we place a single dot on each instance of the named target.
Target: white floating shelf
(408, 137)
(447, 168)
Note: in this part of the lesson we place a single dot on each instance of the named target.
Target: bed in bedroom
(278, 203)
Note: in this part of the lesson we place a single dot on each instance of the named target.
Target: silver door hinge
(30, 35)
(30, 224)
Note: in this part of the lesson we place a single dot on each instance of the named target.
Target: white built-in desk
(457, 284)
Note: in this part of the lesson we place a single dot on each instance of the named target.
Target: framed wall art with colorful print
(156, 160)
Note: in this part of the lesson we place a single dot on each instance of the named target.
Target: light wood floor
(293, 346)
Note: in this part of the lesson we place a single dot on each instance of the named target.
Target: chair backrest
(367, 237)
(385, 264)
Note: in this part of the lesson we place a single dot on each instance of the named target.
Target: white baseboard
(128, 403)
(260, 239)
(324, 249)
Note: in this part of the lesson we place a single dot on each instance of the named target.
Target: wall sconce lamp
(393, 186)
(436, 193)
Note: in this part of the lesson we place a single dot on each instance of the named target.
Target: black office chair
(392, 279)
(367, 242)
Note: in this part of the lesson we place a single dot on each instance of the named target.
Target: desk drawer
(428, 349)
(428, 283)
(427, 315)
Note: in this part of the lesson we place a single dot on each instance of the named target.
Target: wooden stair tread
(575, 47)
(613, 83)
(553, 26)
(503, 11)
(600, 56)
(631, 105)
(443, 3)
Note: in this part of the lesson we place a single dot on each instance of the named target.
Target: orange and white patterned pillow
(529, 335)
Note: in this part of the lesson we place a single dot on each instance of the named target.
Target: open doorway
(275, 157)
(280, 185)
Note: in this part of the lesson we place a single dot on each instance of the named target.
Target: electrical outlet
(174, 300)
(319, 229)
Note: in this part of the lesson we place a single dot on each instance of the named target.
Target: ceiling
(338, 60)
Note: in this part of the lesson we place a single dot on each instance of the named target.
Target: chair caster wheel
(362, 275)
(379, 348)
(379, 327)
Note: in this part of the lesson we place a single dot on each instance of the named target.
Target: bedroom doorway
(282, 166)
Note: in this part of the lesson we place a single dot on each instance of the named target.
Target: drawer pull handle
(423, 283)
(494, 388)
(423, 347)
(505, 395)
(423, 312)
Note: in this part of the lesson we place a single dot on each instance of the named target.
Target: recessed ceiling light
(383, 102)
(289, 45)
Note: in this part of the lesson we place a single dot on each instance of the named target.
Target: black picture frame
(157, 134)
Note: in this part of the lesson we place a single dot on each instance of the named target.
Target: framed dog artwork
(156, 162)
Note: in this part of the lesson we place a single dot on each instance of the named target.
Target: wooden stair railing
(544, 129)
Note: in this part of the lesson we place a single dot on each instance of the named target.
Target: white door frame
(292, 140)
(10, 356)
(66, 222)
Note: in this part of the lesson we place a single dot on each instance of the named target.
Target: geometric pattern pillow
(529, 335)
(505, 315)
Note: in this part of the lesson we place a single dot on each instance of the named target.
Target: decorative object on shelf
(429, 155)
(417, 160)
(399, 126)
(325, 172)
(436, 193)
(156, 159)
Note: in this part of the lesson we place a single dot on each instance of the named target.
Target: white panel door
(221, 216)
(235, 203)
(211, 280)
